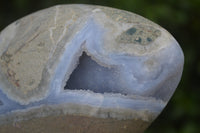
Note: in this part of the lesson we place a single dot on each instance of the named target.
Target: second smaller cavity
(139, 34)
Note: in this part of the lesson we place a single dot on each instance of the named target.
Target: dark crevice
(89, 75)
(1, 103)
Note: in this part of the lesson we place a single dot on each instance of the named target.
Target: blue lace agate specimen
(86, 61)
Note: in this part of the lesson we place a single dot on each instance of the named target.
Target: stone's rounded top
(33, 49)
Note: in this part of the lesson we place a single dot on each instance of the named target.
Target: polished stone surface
(86, 62)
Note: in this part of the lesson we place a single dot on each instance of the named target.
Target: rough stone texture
(129, 71)
(35, 40)
(75, 124)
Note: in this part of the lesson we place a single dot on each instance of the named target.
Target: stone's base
(75, 124)
(75, 118)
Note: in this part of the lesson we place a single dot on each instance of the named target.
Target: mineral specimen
(84, 68)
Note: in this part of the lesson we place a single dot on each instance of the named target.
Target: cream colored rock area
(29, 43)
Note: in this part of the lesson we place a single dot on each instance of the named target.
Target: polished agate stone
(84, 68)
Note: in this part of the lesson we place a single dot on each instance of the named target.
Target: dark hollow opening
(89, 75)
